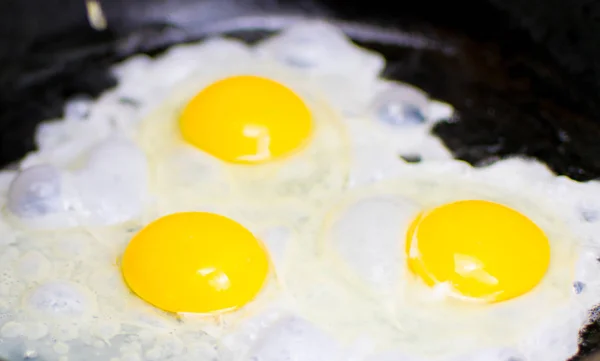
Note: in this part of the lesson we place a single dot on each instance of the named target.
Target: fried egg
(445, 254)
(254, 203)
(245, 140)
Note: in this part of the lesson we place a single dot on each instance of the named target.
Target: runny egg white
(237, 203)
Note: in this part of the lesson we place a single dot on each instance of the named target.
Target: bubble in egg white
(78, 108)
(35, 331)
(321, 47)
(62, 299)
(106, 330)
(111, 188)
(113, 185)
(578, 287)
(35, 192)
(295, 339)
(387, 129)
(396, 114)
(34, 266)
(12, 329)
(368, 236)
(325, 54)
(400, 105)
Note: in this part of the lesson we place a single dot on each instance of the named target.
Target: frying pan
(523, 75)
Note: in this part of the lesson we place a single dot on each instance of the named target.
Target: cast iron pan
(524, 75)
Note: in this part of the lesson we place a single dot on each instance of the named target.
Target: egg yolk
(484, 250)
(195, 262)
(246, 119)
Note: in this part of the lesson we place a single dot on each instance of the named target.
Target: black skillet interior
(523, 75)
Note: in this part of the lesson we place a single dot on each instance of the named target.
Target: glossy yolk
(246, 119)
(195, 262)
(484, 250)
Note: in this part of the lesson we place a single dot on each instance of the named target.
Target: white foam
(62, 298)
(111, 188)
(295, 339)
(368, 237)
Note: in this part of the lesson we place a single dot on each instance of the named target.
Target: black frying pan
(524, 75)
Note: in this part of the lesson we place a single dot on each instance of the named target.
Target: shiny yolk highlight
(195, 262)
(246, 119)
(484, 250)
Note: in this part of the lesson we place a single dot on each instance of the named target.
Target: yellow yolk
(484, 250)
(195, 262)
(246, 119)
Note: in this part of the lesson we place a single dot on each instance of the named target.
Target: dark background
(524, 75)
